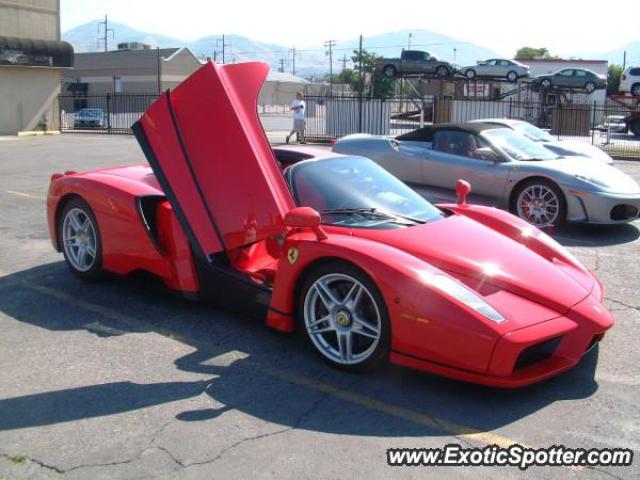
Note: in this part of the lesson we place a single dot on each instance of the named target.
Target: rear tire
(470, 74)
(343, 315)
(539, 202)
(590, 87)
(512, 76)
(79, 238)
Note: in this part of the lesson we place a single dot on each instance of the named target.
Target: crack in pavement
(34, 460)
(633, 307)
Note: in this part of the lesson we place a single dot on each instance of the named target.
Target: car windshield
(355, 191)
(531, 131)
(517, 146)
(91, 113)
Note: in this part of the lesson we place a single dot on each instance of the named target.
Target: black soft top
(425, 134)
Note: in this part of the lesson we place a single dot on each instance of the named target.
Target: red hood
(464, 247)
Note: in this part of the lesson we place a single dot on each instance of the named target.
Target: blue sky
(565, 27)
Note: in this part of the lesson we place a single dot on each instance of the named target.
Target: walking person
(298, 107)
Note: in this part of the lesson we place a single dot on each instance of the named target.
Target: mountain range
(311, 61)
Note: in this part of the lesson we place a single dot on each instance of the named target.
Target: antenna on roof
(106, 33)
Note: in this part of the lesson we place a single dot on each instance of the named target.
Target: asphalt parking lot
(122, 380)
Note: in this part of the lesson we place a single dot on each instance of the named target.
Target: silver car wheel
(538, 205)
(590, 87)
(342, 319)
(546, 83)
(79, 239)
(512, 76)
(470, 74)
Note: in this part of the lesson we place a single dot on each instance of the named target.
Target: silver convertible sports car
(505, 169)
(567, 148)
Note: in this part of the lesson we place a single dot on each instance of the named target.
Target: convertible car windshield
(357, 192)
(517, 146)
(531, 131)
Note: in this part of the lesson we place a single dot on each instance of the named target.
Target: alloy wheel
(538, 205)
(342, 319)
(79, 239)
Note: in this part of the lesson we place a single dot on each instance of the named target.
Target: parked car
(572, 78)
(496, 68)
(615, 124)
(565, 148)
(336, 247)
(630, 81)
(507, 169)
(414, 62)
(89, 117)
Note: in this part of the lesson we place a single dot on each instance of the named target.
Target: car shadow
(588, 235)
(247, 367)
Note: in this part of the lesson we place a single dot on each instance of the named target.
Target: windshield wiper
(372, 211)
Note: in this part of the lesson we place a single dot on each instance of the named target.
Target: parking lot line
(26, 195)
(459, 431)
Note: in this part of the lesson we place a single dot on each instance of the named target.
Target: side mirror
(488, 154)
(305, 217)
(462, 190)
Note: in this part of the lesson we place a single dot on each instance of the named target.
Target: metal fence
(331, 117)
(110, 113)
(594, 123)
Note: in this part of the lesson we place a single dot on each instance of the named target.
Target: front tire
(590, 87)
(546, 83)
(470, 74)
(635, 90)
(343, 315)
(442, 72)
(512, 76)
(539, 202)
(390, 71)
(79, 237)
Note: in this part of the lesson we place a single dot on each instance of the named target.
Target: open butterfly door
(206, 145)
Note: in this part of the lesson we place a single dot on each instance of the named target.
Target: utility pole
(282, 60)
(293, 60)
(330, 44)
(361, 84)
(624, 60)
(106, 33)
(159, 71)
(224, 46)
(344, 62)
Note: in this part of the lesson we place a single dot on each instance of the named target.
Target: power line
(378, 47)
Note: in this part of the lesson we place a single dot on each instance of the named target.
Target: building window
(117, 84)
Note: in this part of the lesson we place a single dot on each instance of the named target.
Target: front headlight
(464, 295)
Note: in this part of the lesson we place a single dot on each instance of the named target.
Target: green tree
(613, 79)
(365, 63)
(532, 53)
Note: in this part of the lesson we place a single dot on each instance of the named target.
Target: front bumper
(561, 344)
(601, 207)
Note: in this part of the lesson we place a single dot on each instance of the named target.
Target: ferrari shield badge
(292, 255)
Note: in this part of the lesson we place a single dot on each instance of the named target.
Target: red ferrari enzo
(330, 244)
